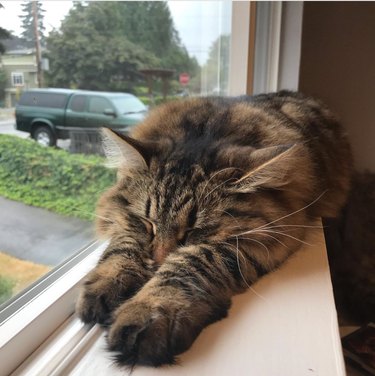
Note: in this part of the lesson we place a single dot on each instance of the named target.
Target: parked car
(51, 114)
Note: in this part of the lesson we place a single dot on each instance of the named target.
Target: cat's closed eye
(150, 226)
(185, 236)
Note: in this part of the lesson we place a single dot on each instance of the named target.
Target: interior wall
(338, 66)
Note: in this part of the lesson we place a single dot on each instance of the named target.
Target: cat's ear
(124, 152)
(271, 167)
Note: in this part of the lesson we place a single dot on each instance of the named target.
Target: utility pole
(38, 51)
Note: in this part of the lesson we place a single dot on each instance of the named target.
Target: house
(21, 69)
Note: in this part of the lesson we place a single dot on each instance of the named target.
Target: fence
(86, 142)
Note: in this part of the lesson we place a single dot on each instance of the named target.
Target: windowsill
(287, 326)
(34, 315)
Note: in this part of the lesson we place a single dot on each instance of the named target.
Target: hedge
(69, 184)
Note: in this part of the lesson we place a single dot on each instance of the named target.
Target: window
(43, 100)
(17, 79)
(205, 33)
(205, 49)
(78, 103)
(98, 105)
(128, 104)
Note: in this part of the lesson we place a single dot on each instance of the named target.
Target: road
(7, 127)
(36, 234)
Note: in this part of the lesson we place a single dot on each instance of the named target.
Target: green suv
(51, 114)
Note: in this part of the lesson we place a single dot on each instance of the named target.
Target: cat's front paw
(102, 293)
(152, 330)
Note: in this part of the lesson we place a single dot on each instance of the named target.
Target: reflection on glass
(157, 51)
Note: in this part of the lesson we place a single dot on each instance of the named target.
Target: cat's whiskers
(270, 236)
(262, 244)
(95, 215)
(255, 231)
(296, 226)
(218, 186)
(215, 174)
(238, 252)
(267, 226)
(295, 212)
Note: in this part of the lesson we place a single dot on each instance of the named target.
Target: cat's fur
(212, 194)
(351, 249)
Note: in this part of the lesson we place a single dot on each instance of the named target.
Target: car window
(128, 104)
(43, 100)
(78, 103)
(98, 105)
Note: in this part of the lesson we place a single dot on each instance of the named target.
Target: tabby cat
(212, 194)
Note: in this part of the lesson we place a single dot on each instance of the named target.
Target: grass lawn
(17, 274)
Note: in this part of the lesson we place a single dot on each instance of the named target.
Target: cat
(212, 194)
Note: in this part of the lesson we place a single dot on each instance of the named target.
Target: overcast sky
(199, 23)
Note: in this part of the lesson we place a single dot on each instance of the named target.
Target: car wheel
(43, 136)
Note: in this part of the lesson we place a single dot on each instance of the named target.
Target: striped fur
(212, 194)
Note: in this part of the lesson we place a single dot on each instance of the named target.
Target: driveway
(37, 235)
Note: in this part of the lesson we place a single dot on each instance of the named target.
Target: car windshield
(129, 104)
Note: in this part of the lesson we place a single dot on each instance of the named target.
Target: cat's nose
(160, 253)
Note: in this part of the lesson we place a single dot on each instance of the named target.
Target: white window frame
(18, 79)
(255, 67)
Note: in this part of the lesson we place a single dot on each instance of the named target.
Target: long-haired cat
(212, 194)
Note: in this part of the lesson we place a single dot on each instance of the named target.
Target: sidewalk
(6, 114)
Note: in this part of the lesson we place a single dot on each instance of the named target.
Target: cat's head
(172, 194)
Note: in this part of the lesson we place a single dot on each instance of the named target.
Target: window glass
(17, 79)
(43, 100)
(98, 105)
(48, 194)
(78, 103)
(27, 99)
(128, 104)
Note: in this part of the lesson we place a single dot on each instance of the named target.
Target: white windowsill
(288, 327)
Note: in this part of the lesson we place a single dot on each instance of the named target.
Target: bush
(50, 178)
(157, 100)
(6, 288)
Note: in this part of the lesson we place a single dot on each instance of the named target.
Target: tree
(102, 45)
(27, 18)
(86, 55)
(4, 34)
(216, 70)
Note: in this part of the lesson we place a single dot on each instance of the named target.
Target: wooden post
(38, 52)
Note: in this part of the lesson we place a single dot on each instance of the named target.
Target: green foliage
(53, 179)
(4, 34)
(103, 45)
(27, 19)
(6, 288)
(216, 69)
(157, 100)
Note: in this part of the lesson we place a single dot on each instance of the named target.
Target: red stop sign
(184, 78)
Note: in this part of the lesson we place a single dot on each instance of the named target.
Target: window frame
(51, 300)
